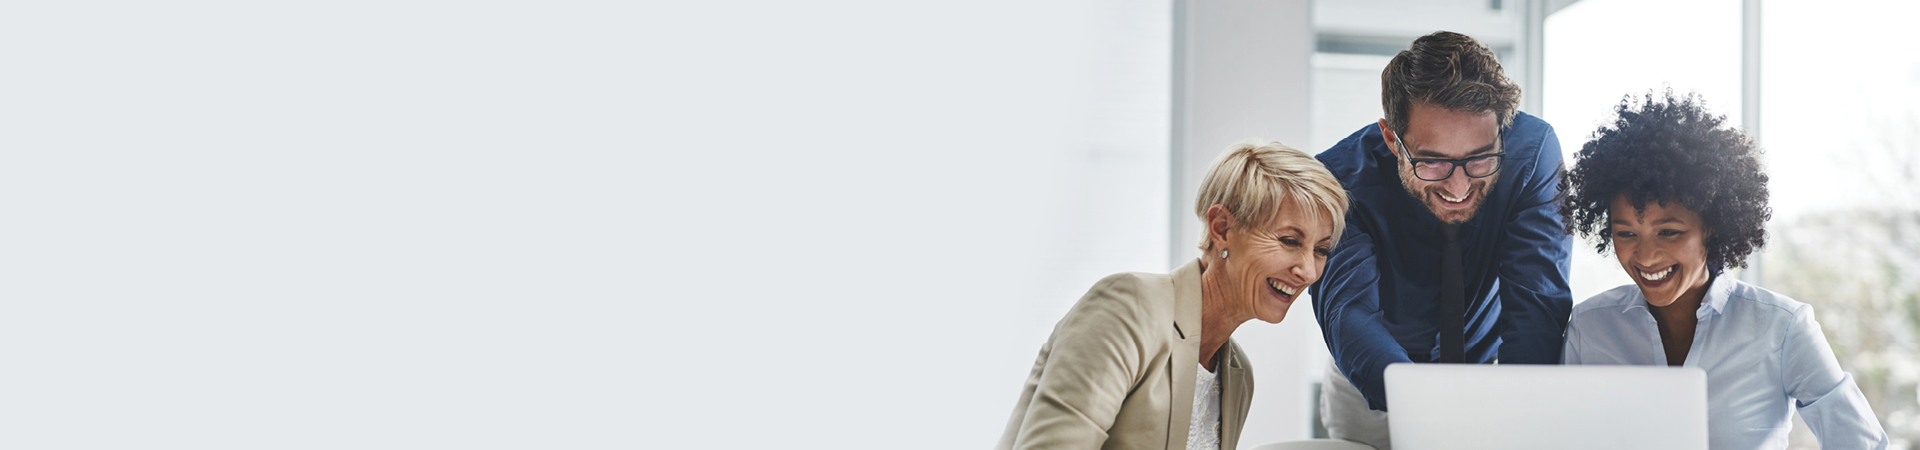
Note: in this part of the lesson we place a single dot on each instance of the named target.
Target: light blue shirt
(1762, 351)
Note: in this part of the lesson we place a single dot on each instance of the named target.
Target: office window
(1840, 109)
(1600, 50)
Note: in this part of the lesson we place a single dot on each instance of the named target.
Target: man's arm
(1346, 301)
(1534, 297)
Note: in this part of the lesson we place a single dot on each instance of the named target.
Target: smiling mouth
(1660, 275)
(1283, 288)
(1453, 201)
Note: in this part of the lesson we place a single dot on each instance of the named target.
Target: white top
(1203, 431)
(1762, 352)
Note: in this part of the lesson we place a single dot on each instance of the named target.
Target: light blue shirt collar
(1715, 303)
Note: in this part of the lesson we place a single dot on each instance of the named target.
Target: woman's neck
(1677, 321)
(1687, 307)
(1218, 318)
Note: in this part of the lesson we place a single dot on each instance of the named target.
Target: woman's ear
(1219, 222)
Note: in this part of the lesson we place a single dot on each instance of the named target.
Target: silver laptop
(1474, 406)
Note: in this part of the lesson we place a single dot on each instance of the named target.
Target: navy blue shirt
(1379, 294)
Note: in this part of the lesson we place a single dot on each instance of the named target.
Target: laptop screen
(1473, 406)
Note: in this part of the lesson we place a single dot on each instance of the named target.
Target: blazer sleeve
(1534, 296)
(1346, 301)
(1095, 358)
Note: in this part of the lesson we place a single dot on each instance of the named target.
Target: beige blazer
(1118, 371)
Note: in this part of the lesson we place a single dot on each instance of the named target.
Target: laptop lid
(1476, 406)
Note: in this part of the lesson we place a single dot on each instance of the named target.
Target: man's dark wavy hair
(1449, 70)
(1669, 149)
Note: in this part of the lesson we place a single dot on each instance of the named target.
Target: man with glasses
(1454, 249)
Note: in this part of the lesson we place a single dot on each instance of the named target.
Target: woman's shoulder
(1762, 300)
(1123, 304)
(1761, 308)
(1615, 299)
(1135, 281)
(1144, 293)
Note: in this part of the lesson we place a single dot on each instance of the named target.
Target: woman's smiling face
(1663, 248)
(1271, 265)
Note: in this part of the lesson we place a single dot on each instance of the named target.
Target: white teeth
(1283, 288)
(1451, 199)
(1657, 276)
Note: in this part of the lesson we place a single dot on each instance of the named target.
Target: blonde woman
(1146, 361)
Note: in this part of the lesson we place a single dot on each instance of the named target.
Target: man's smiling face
(1436, 132)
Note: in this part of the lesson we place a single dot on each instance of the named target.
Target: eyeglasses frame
(1451, 163)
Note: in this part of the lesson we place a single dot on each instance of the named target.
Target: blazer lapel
(1186, 352)
(1236, 387)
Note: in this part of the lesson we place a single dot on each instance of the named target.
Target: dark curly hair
(1671, 150)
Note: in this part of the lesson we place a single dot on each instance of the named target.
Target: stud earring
(1223, 254)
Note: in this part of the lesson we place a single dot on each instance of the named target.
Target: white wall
(1242, 70)
(419, 224)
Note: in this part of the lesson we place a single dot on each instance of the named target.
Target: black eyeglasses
(1436, 169)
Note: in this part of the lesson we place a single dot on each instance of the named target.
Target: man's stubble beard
(1480, 190)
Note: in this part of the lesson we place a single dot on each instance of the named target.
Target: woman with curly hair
(1679, 197)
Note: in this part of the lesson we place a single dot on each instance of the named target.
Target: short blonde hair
(1253, 178)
